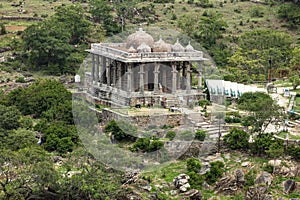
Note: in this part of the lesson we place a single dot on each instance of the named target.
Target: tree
(101, 12)
(237, 139)
(42, 97)
(263, 109)
(9, 117)
(295, 80)
(50, 45)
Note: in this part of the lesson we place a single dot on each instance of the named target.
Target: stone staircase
(199, 122)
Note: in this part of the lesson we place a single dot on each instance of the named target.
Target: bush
(204, 102)
(20, 79)
(200, 135)
(250, 178)
(237, 139)
(215, 172)
(171, 135)
(293, 151)
(147, 145)
(121, 130)
(193, 165)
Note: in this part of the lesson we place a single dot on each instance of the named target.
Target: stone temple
(144, 72)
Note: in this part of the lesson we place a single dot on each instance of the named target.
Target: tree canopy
(263, 109)
(55, 45)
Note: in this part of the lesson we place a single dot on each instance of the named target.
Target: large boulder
(181, 182)
(289, 186)
(193, 194)
(229, 185)
(258, 193)
(264, 178)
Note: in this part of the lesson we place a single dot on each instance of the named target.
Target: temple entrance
(150, 80)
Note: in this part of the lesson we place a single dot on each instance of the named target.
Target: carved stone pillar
(142, 78)
(129, 81)
(156, 72)
(97, 69)
(199, 78)
(119, 75)
(164, 79)
(114, 78)
(174, 78)
(188, 78)
(103, 67)
(93, 68)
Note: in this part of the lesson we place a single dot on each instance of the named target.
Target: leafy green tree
(40, 97)
(263, 109)
(9, 117)
(50, 45)
(101, 12)
(290, 13)
(295, 80)
(19, 139)
(237, 139)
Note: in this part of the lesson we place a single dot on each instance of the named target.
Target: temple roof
(139, 37)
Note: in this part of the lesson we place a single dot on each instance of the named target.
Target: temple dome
(189, 48)
(139, 37)
(177, 47)
(161, 46)
(143, 48)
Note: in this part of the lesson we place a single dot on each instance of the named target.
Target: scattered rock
(193, 194)
(181, 182)
(289, 186)
(173, 192)
(274, 163)
(72, 173)
(239, 174)
(258, 193)
(184, 187)
(245, 164)
(264, 178)
(147, 187)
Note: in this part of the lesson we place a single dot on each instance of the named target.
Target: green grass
(168, 172)
(293, 137)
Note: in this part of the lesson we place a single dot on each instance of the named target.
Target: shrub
(215, 172)
(3, 30)
(147, 145)
(237, 139)
(293, 151)
(204, 102)
(193, 165)
(250, 178)
(200, 135)
(121, 130)
(171, 135)
(20, 79)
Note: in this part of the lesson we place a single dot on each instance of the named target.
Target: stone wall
(144, 121)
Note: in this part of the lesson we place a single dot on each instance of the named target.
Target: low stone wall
(143, 120)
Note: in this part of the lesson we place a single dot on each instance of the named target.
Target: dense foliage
(237, 139)
(55, 45)
(263, 109)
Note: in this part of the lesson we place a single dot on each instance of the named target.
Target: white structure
(229, 89)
